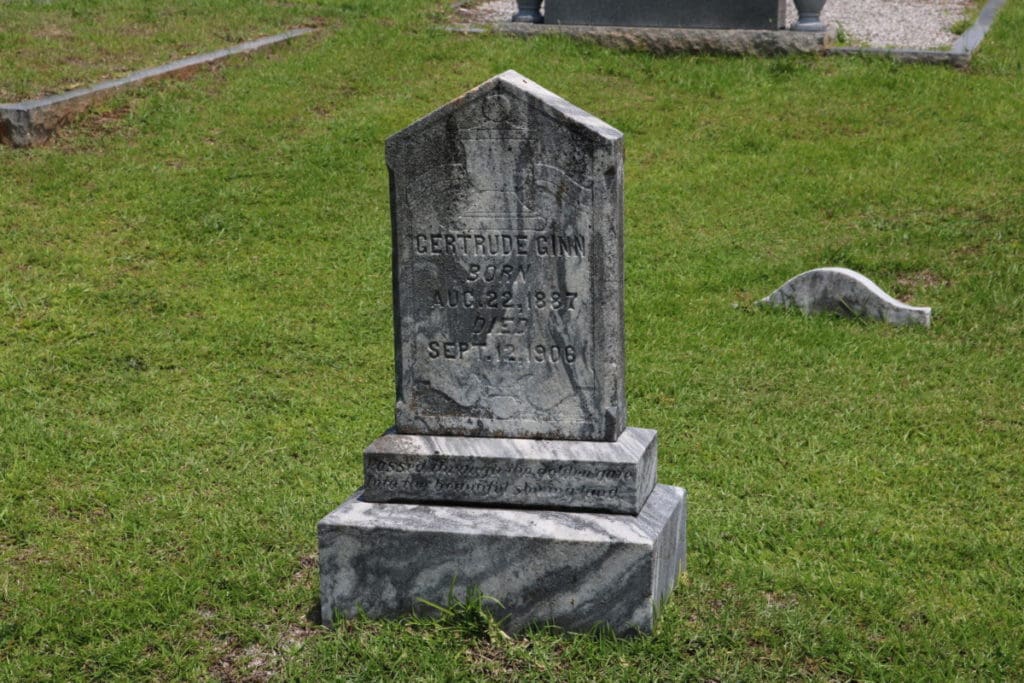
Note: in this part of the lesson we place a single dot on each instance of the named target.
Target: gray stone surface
(32, 122)
(507, 247)
(948, 57)
(668, 41)
(726, 14)
(972, 37)
(845, 292)
(575, 570)
(507, 254)
(605, 476)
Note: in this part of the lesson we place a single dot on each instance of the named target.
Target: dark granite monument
(724, 14)
(510, 467)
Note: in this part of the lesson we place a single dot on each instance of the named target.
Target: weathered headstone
(507, 257)
(845, 292)
(506, 212)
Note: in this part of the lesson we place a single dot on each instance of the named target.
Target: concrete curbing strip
(971, 38)
(959, 55)
(31, 122)
(910, 56)
(724, 41)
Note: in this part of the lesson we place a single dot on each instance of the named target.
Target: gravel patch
(911, 24)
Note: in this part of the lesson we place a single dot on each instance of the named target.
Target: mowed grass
(53, 46)
(195, 347)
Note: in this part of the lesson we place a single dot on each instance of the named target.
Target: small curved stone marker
(845, 292)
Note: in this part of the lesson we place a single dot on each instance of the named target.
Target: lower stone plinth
(668, 41)
(575, 570)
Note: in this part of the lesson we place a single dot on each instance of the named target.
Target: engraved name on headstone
(507, 256)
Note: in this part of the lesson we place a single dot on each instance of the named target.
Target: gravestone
(845, 292)
(720, 14)
(510, 468)
(507, 214)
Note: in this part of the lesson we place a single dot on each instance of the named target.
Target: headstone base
(574, 570)
(596, 476)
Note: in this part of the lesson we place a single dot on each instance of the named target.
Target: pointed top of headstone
(496, 100)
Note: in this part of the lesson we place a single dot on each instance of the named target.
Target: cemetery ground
(196, 345)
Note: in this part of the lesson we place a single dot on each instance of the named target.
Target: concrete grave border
(959, 55)
(666, 41)
(32, 122)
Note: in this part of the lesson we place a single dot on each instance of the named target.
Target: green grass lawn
(195, 347)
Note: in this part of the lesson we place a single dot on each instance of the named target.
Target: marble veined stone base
(601, 476)
(575, 570)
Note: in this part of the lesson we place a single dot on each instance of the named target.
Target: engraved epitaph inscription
(612, 476)
(507, 246)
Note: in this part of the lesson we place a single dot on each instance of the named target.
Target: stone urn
(810, 15)
(529, 12)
